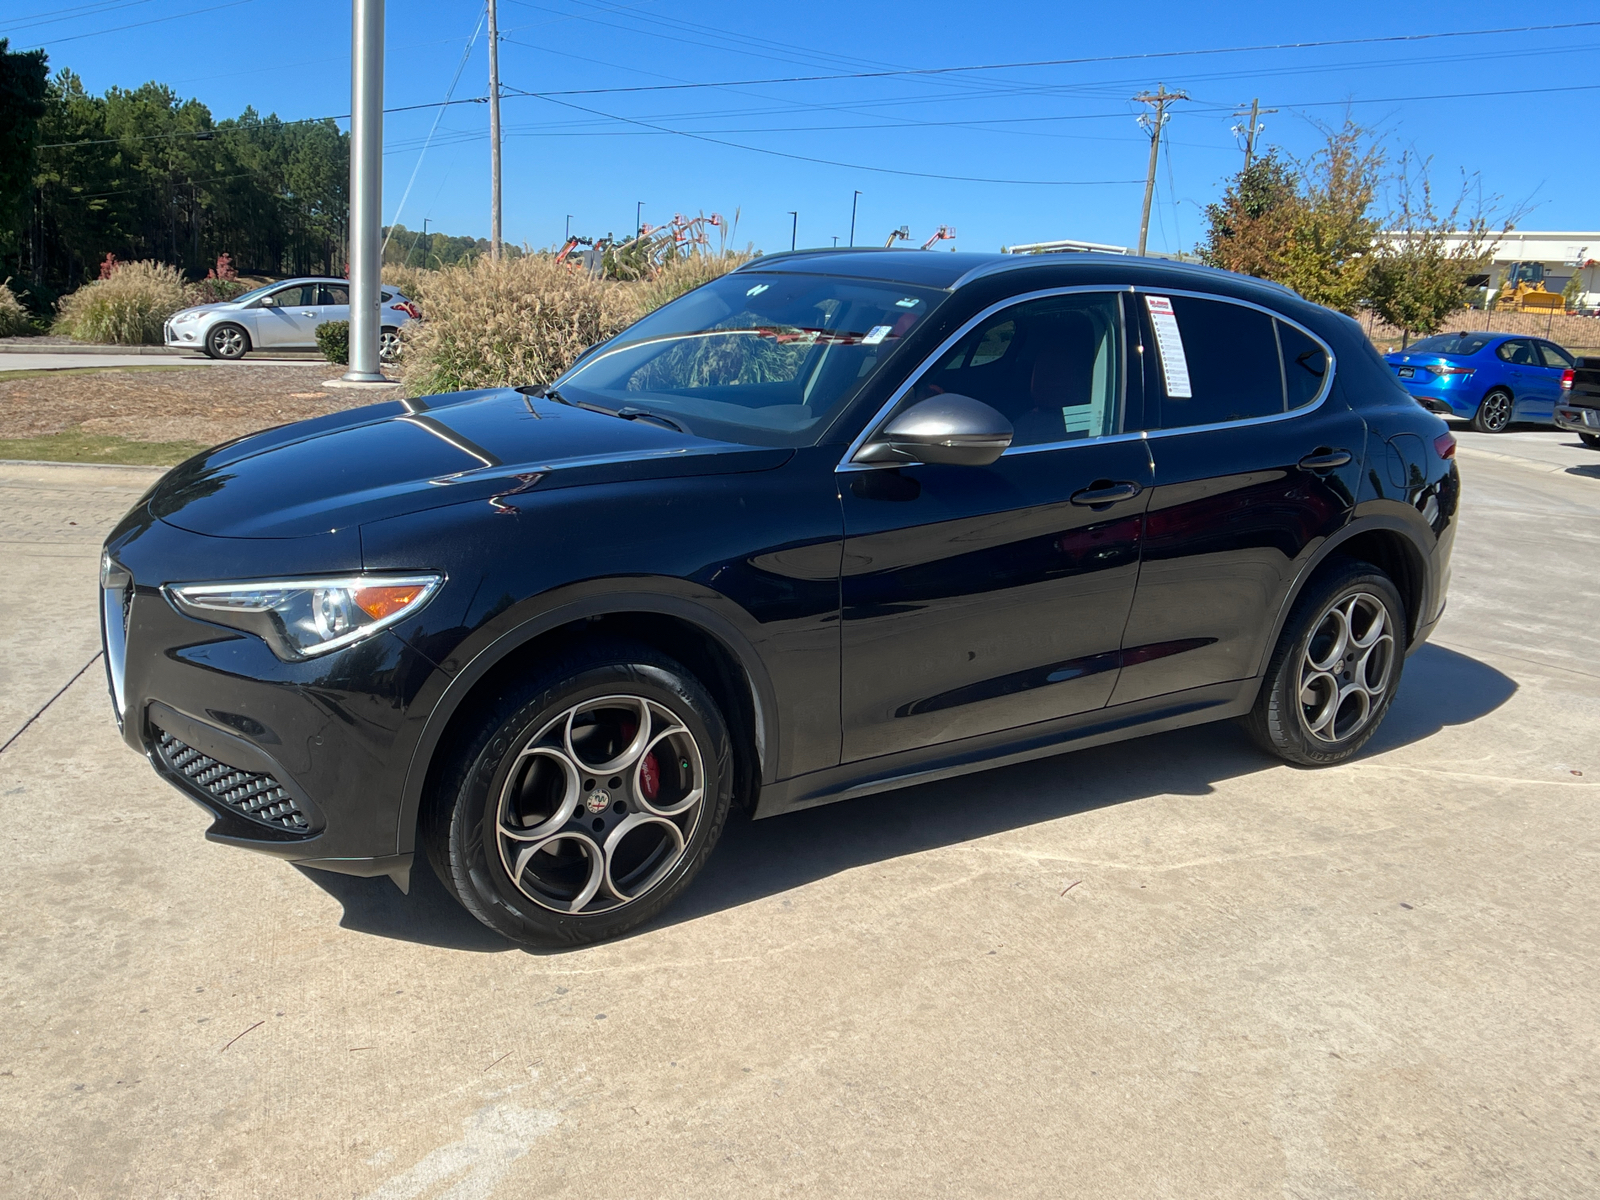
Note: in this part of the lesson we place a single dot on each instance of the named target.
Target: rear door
(1524, 371)
(1256, 460)
(333, 304)
(978, 599)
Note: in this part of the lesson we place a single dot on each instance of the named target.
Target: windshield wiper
(629, 412)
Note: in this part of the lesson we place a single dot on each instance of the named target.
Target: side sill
(1157, 714)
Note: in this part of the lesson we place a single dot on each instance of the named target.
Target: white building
(1553, 258)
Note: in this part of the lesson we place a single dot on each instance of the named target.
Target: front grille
(259, 797)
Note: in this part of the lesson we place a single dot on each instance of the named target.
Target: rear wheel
(227, 341)
(1591, 440)
(389, 344)
(1494, 413)
(1335, 669)
(584, 798)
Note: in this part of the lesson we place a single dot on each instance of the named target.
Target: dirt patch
(189, 404)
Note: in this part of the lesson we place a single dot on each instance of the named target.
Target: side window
(1215, 362)
(1517, 352)
(300, 295)
(1555, 356)
(1052, 366)
(332, 294)
(1305, 365)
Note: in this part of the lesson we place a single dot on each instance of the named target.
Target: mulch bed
(195, 404)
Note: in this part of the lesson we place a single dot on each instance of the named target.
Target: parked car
(281, 316)
(1490, 379)
(833, 524)
(1578, 410)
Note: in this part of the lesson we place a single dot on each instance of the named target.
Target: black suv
(835, 523)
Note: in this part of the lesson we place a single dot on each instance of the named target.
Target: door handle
(1325, 460)
(1097, 497)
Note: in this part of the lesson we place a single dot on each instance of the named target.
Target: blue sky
(1068, 131)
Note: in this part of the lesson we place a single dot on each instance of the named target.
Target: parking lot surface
(1171, 967)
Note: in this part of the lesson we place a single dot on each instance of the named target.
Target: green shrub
(15, 320)
(127, 308)
(333, 339)
(513, 322)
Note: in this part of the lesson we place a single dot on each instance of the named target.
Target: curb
(46, 462)
(151, 351)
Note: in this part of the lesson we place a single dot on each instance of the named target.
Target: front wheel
(227, 341)
(1591, 440)
(583, 799)
(1494, 413)
(1335, 669)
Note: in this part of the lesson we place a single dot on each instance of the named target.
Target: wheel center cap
(597, 801)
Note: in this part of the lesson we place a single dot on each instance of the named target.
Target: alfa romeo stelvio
(836, 523)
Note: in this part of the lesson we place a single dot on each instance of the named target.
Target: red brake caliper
(650, 776)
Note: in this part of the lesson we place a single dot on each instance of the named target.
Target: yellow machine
(1524, 291)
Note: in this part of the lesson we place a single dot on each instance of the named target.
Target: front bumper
(186, 335)
(1578, 418)
(305, 761)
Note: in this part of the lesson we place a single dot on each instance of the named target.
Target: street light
(568, 238)
(366, 189)
(638, 219)
(794, 232)
(853, 200)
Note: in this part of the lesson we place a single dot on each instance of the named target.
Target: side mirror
(951, 429)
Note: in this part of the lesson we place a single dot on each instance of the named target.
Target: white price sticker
(876, 334)
(1169, 343)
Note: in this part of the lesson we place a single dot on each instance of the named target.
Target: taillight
(1566, 380)
(1452, 370)
(1445, 445)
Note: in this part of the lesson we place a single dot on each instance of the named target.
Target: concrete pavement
(1171, 968)
(72, 360)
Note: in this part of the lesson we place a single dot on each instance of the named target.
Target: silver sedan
(282, 316)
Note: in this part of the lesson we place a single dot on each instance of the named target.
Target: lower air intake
(259, 797)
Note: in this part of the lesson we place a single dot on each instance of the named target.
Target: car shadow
(1587, 470)
(756, 859)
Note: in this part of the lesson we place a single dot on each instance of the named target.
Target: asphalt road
(1170, 968)
(68, 360)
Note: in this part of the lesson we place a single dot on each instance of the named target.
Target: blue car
(1490, 379)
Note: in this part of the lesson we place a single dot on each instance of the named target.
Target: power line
(153, 21)
(73, 14)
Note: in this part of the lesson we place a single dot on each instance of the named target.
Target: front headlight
(180, 318)
(303, 618)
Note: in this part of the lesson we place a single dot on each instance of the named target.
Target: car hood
(386, 460)
(199, 310)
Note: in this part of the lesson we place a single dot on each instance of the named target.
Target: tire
(1310, 715)
(549, 846)
(389, 344)
(1494, 412)
(227, 342)
(1591, 440)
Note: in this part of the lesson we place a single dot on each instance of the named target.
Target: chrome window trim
(846, 463)
(1322, 395)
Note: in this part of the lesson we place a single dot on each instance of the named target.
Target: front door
(977, 599)
(1255, 463)
(287, 317)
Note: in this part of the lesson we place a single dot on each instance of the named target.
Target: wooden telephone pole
(494, 132)
(1250, 131)
(1152, 122)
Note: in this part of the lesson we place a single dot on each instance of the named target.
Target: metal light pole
(638, 218)
(568, 238)
(794, 232)
(853, 200)
(494, 134)
(366, 189)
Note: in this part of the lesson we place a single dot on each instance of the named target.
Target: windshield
(1451, 343)
(767, 358)
(253, 293)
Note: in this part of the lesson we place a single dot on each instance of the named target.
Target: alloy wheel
(1496, 414)
(600, 805)
(227, 342)
(389, 345)
(1347, 668)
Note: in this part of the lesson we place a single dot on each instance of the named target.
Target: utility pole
(794, 232)
(853, 200)
(1249, 132)
(494, 132)
(1152, 123)
(366, 189)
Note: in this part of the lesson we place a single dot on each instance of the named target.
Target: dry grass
(127, 309)
(512, 322)
(684, 275)
(184, 405)
(14, 318)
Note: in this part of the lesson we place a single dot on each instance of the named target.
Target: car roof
(943, 269)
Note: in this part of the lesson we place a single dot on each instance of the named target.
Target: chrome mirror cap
(950, 429)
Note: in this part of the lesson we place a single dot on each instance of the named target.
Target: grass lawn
(76, 446)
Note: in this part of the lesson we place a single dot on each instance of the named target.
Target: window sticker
(876, 334)
(1169, 344)
(758, 289)
(907, 303)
